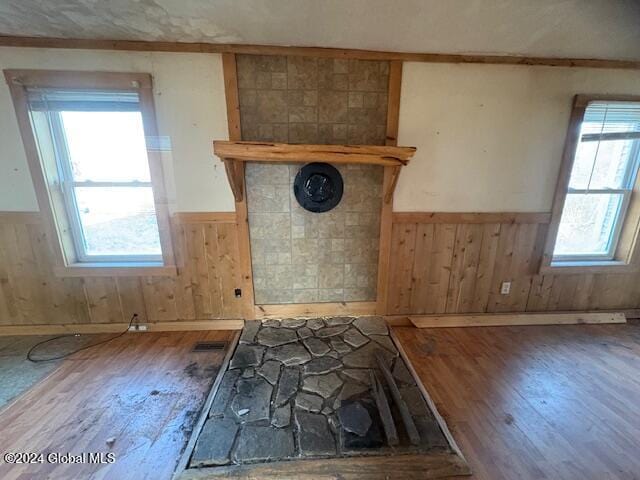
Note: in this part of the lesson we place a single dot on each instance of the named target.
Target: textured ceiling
(568, 28)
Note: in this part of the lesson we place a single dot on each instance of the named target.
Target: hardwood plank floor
(549, 402)
(143, 390)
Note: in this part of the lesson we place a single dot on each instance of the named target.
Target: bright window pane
(587, 224)
(118, 220)
(602, 164)
(106, 146)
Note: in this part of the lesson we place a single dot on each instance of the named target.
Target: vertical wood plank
(230, 277)
(464, 268)
(103, 300)
(404, 240)
(486, 266)
(212, 262)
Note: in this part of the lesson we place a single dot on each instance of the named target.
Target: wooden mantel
(234, 154)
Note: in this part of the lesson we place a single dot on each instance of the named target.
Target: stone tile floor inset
(225, 391)
(257, 443)
(321, 365)
(354, 338)
(364, 357)
(331, 331)
(300, 388)
(288, 385)
(314, 435)
(358, 374)
(290, 354)
(272, 337)
(281, 416)
(316, 346)
(354, 418)
(249, 331)
(340, 346)
(384, 341)
(305, 332)
(270, 371)
(402, 374)
(215, 442)
(338, 321)
(253, 394)
(315, 323)
(246, 356)
(308, 401)
(324, 385)
(371, 325)
(292, 322)
(414, 400)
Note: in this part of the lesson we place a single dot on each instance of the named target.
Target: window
(599, 185)
(102, 165)
(96, 166)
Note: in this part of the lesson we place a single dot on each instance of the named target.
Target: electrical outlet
(505, 288)
(138, 328)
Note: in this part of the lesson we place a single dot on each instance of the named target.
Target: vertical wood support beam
(237, 173)
(388, 185)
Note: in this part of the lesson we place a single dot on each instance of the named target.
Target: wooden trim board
(204, 412)
(204, 217)
(386, 155)
(230, 74)
(472, 217)
(89, 328)
(389, 181)
(187, 47)
(512, 319)
(315, 309)
(405, 467)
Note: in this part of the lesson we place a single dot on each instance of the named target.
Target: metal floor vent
(208, 346)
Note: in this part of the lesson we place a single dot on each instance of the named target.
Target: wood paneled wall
(206, 248)
(456, 263)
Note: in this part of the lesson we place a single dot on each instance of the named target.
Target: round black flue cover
(318, 187)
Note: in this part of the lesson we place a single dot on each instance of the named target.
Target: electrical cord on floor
(59, 357)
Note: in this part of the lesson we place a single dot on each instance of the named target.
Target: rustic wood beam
(187, 47)
(284, 152)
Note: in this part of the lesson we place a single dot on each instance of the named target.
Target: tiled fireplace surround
(300, 256)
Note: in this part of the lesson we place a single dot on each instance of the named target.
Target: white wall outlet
(505, 288)
(138, 328)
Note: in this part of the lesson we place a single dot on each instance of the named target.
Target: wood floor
(552, 402)
(142, 390)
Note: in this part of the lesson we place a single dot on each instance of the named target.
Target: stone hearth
(301, 389)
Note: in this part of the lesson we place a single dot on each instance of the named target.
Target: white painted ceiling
(567, 28)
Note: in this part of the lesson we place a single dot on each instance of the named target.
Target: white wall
(191, 111)
(489, 137)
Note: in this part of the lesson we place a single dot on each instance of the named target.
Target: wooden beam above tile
(234, 153)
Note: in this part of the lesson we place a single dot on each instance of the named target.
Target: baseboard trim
(87, 328)
(315, 309)
(513, 319)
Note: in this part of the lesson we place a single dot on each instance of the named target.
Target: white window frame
(624, 252)
(68, 187)
(57, 222)
(629, 180)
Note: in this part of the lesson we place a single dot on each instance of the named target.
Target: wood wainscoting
(456, 263)
(206, 249)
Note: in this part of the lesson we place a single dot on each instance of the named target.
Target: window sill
(605, 266)
(132, 269)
